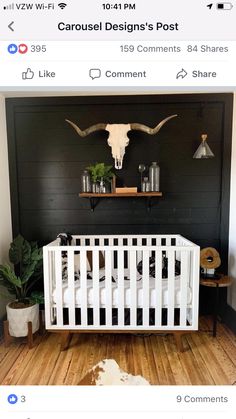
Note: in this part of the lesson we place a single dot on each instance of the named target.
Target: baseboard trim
(229, 317)
(1, 326)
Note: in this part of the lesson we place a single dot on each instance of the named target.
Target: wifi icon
(62, 5)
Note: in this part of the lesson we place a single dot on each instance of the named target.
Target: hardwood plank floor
(205, 360)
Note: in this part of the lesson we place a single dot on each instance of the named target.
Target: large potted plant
(19, 278)
(101, 175)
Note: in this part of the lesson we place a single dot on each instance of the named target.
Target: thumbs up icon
(28, 74)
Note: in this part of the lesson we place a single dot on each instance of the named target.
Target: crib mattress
(66, 296)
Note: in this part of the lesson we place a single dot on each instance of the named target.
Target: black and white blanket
(152, 270)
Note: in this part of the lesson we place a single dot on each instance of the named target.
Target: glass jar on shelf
(95, 187)
(102, 186)
(154, 177)
(146, 187)
(85, 182)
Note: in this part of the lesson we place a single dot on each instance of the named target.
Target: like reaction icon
(12, 399)
(28, 74)
(12, 48)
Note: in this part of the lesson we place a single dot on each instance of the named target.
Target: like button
(28, 74)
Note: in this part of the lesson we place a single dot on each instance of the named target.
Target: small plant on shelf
(100, 171)
(101, 174)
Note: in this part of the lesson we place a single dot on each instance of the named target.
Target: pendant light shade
(203, 151)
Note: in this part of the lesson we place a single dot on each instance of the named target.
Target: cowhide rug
(108, 372)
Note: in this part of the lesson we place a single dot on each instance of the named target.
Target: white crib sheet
(127, 293)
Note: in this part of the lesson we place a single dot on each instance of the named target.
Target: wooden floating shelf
(95, 197)
(118, 195)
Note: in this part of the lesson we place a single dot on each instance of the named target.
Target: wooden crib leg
(178, 341)
(30, 335)
(65, 340)
(41, 331)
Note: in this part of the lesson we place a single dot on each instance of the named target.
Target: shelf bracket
(149, 203)
(93, 203)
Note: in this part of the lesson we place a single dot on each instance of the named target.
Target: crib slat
(82, 241)
(108, 286)
(120, 287)
(184, 286)
(112, 255)
(83, 287)
(91, 243)
(194, 274)
(158, 240)
(168, 241)
(129, 242)
(53, 283)
(71, 286)
(171, 287)
(96, 296)
(149, 241)
(158, 287)
(133, 287)
(145, 283)
(47, 267)
(139, 252)
(59, 297)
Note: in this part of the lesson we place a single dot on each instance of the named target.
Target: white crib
(123, 283)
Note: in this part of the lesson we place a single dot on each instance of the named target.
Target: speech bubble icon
(95, 73)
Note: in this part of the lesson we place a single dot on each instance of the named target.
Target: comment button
(95, 73)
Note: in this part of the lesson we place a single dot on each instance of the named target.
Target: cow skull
(118, 138)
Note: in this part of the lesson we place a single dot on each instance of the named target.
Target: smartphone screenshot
(117, 209)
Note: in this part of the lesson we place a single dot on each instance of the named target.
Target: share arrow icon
(181, 74)
(210, 5)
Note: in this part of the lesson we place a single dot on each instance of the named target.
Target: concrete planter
(19, 317)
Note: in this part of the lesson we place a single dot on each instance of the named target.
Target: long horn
(84, 133)
(148, 130)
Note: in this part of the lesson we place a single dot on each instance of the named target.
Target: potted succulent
(101, 176)
(19, 278)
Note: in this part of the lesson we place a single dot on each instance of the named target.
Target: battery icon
(224, 6)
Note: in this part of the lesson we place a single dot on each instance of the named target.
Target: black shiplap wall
(47, 158)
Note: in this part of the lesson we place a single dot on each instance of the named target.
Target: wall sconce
(203, 151)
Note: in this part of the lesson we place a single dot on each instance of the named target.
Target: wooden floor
(205, 360)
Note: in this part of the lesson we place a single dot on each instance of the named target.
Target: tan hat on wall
(209, 258)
